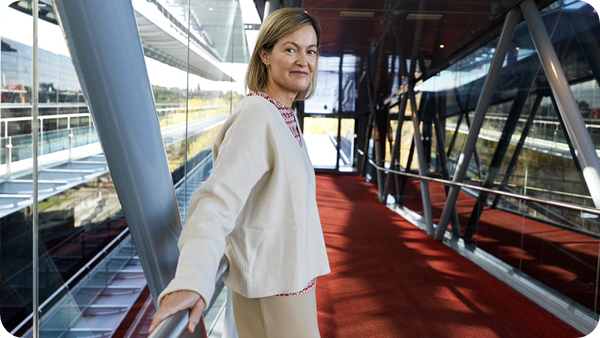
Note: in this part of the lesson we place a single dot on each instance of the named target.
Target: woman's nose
(302, 59)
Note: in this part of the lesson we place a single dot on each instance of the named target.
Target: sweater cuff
(178, 285)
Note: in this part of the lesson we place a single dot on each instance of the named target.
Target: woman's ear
(264, 56)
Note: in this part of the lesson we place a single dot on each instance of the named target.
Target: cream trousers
(276, 316)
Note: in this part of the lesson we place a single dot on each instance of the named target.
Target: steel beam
(526, 83)
(463, 111)
(485, 98)
(456, 131)
(568, 107)
(475, 151)
(418, 140)
(572, 150)
(422, 165)
(440, 137)
(107, 52)
(515, 157)
(35, 226)
(395, 156)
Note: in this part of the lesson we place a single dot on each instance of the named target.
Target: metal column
(515, 157)
(568, 108)
(527, 80)
(443, 161)
(422, 165)
(396, 149)
(485, 98)
(418, 141)
(411, 153)
(35, 226)
(107, 53)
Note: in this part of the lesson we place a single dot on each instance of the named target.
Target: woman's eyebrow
(296, 45)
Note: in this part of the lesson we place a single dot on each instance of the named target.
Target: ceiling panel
(351, 27)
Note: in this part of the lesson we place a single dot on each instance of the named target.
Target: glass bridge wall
(79, 212)
(556, 246)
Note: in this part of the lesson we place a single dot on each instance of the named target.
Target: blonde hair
(278, 24)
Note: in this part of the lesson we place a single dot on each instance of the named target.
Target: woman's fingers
(196, 314)
(173, 303)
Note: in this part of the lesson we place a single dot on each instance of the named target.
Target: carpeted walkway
(564, 260)
(389, 279)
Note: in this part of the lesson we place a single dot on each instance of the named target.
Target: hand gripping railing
(176, 325)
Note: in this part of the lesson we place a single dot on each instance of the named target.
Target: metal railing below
(176, 325)
(81, 275)
(570, 206)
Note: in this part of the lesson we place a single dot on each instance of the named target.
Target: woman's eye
(312, 52)
(290, 50)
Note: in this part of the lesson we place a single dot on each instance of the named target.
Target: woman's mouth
(300, 73)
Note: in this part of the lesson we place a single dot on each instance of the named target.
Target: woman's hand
(179, 301)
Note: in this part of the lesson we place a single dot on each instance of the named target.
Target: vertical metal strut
(422, 165)
(418, 141)
(35, 212)
(527, 81)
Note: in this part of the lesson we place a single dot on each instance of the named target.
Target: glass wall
(523, 148)
(330, 114)
(84, 248)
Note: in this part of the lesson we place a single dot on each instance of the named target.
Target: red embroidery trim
(311, 285)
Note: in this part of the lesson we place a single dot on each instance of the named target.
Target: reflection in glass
(556, 246)
(350, 68)
(325, 100)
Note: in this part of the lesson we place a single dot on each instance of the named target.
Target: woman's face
(292, 62)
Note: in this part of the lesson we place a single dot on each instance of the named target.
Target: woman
(258, 206)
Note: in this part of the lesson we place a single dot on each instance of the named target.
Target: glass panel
(16, 278)
(320, 134)
(350, 67)
(80, 213)
(554, 245)
(325, 100)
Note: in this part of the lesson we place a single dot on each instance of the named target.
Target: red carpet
(564, 260)
(389, 279)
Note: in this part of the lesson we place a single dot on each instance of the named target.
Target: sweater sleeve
(241, 161)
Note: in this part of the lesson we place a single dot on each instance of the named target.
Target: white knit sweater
(258, 207)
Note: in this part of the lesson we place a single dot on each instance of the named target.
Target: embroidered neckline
(276, 103)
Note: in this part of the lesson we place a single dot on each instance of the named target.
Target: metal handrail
(176, 325)
(67, 285)
(570, 206)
